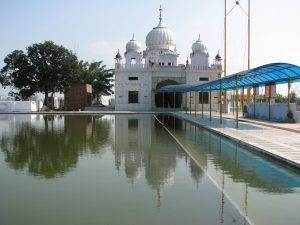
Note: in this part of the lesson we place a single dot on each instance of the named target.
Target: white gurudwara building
(145, 71)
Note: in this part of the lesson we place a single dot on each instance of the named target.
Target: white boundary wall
(18, 106)
(278, 111)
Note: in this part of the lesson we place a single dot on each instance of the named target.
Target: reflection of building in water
(196, 172)
(132, 139)
(142, 142)
(80, 128)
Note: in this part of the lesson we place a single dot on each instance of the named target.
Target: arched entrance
(167, 100)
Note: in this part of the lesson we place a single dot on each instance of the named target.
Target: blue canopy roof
(274, 73)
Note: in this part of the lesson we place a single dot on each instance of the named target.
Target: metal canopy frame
(276, 73)
(269, 74)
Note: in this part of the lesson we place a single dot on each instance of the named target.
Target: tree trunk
(52, 100)
(46, 99)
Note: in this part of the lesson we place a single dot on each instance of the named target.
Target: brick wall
(78, 97)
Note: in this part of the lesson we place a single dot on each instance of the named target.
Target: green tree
(97, 75)
(280, 98)
(44, 67)
(293, 97)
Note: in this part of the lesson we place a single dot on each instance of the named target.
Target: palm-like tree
(97, 75)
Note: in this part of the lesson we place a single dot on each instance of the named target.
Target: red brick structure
(78, 97)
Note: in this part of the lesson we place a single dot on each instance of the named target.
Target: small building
(78, 96)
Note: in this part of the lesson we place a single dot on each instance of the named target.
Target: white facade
(144, 71)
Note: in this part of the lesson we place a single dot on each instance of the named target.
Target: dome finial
(160, 17)
(199, 39)
(132, 36)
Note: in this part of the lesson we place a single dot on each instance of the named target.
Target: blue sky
(96, 29)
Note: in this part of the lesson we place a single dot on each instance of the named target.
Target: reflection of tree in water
(51, 151)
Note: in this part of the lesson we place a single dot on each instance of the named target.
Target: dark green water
(126, 169)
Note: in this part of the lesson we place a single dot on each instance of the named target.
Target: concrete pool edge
(248, 146)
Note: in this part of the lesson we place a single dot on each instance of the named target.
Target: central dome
(160, 37)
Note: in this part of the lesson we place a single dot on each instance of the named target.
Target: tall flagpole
(225, 36)
(248, 34)
(249, 89)
(225, 49)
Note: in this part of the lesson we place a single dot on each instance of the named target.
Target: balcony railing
(159, 67)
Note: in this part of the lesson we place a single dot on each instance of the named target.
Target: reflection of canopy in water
(241, 165)
(246, 167)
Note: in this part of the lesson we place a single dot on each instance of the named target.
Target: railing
(159, 67)
(205, 68)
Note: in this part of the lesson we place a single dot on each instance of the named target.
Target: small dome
(199, 46)
(118, 55)
(160, 37)
(133, 45)
(218, 57)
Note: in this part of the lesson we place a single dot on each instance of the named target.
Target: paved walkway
(266, 137)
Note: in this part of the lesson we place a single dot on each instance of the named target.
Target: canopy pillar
(190, 103)
(220, 98)
(248, 96)
(270, 85)
(163, 100)
(210, 102)
(195, 103)
(186, 103)
(254, 101)
(236, 102)
(289, 95)
(242, 99)
(202, 103)
(174, 96)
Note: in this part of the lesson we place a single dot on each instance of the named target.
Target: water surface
(123, 169)
(264, 190)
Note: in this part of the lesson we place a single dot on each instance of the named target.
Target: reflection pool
(127, 169)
